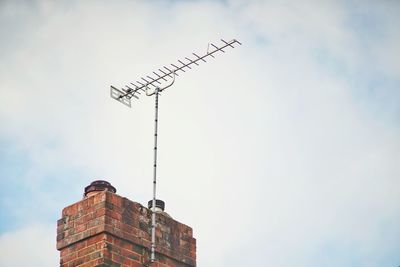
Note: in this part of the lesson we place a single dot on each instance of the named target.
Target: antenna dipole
(153, 86)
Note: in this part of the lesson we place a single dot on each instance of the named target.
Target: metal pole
(153, 215)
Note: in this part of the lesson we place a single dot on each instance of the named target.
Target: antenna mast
(153, 86)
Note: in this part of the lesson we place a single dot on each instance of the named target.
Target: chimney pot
(97, 186)
(160, 205)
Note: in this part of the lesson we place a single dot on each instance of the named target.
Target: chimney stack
(105, 229)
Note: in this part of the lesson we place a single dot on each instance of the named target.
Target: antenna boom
(124, 96)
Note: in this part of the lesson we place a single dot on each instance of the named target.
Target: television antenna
(153, 86)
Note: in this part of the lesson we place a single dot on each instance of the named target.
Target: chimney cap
(159, 204)
(99, 185)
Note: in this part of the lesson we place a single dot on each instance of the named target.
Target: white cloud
(33, 245)
(266, 151)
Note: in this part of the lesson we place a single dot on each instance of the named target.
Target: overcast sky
(282, 152)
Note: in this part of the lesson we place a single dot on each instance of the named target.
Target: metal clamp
(159, 89)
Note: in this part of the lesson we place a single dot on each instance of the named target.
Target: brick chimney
(105, 229)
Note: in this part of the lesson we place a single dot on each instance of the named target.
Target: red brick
(95, 239)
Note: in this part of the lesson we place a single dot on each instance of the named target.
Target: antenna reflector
(120, 96)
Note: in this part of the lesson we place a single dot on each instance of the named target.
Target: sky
(284, 151)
